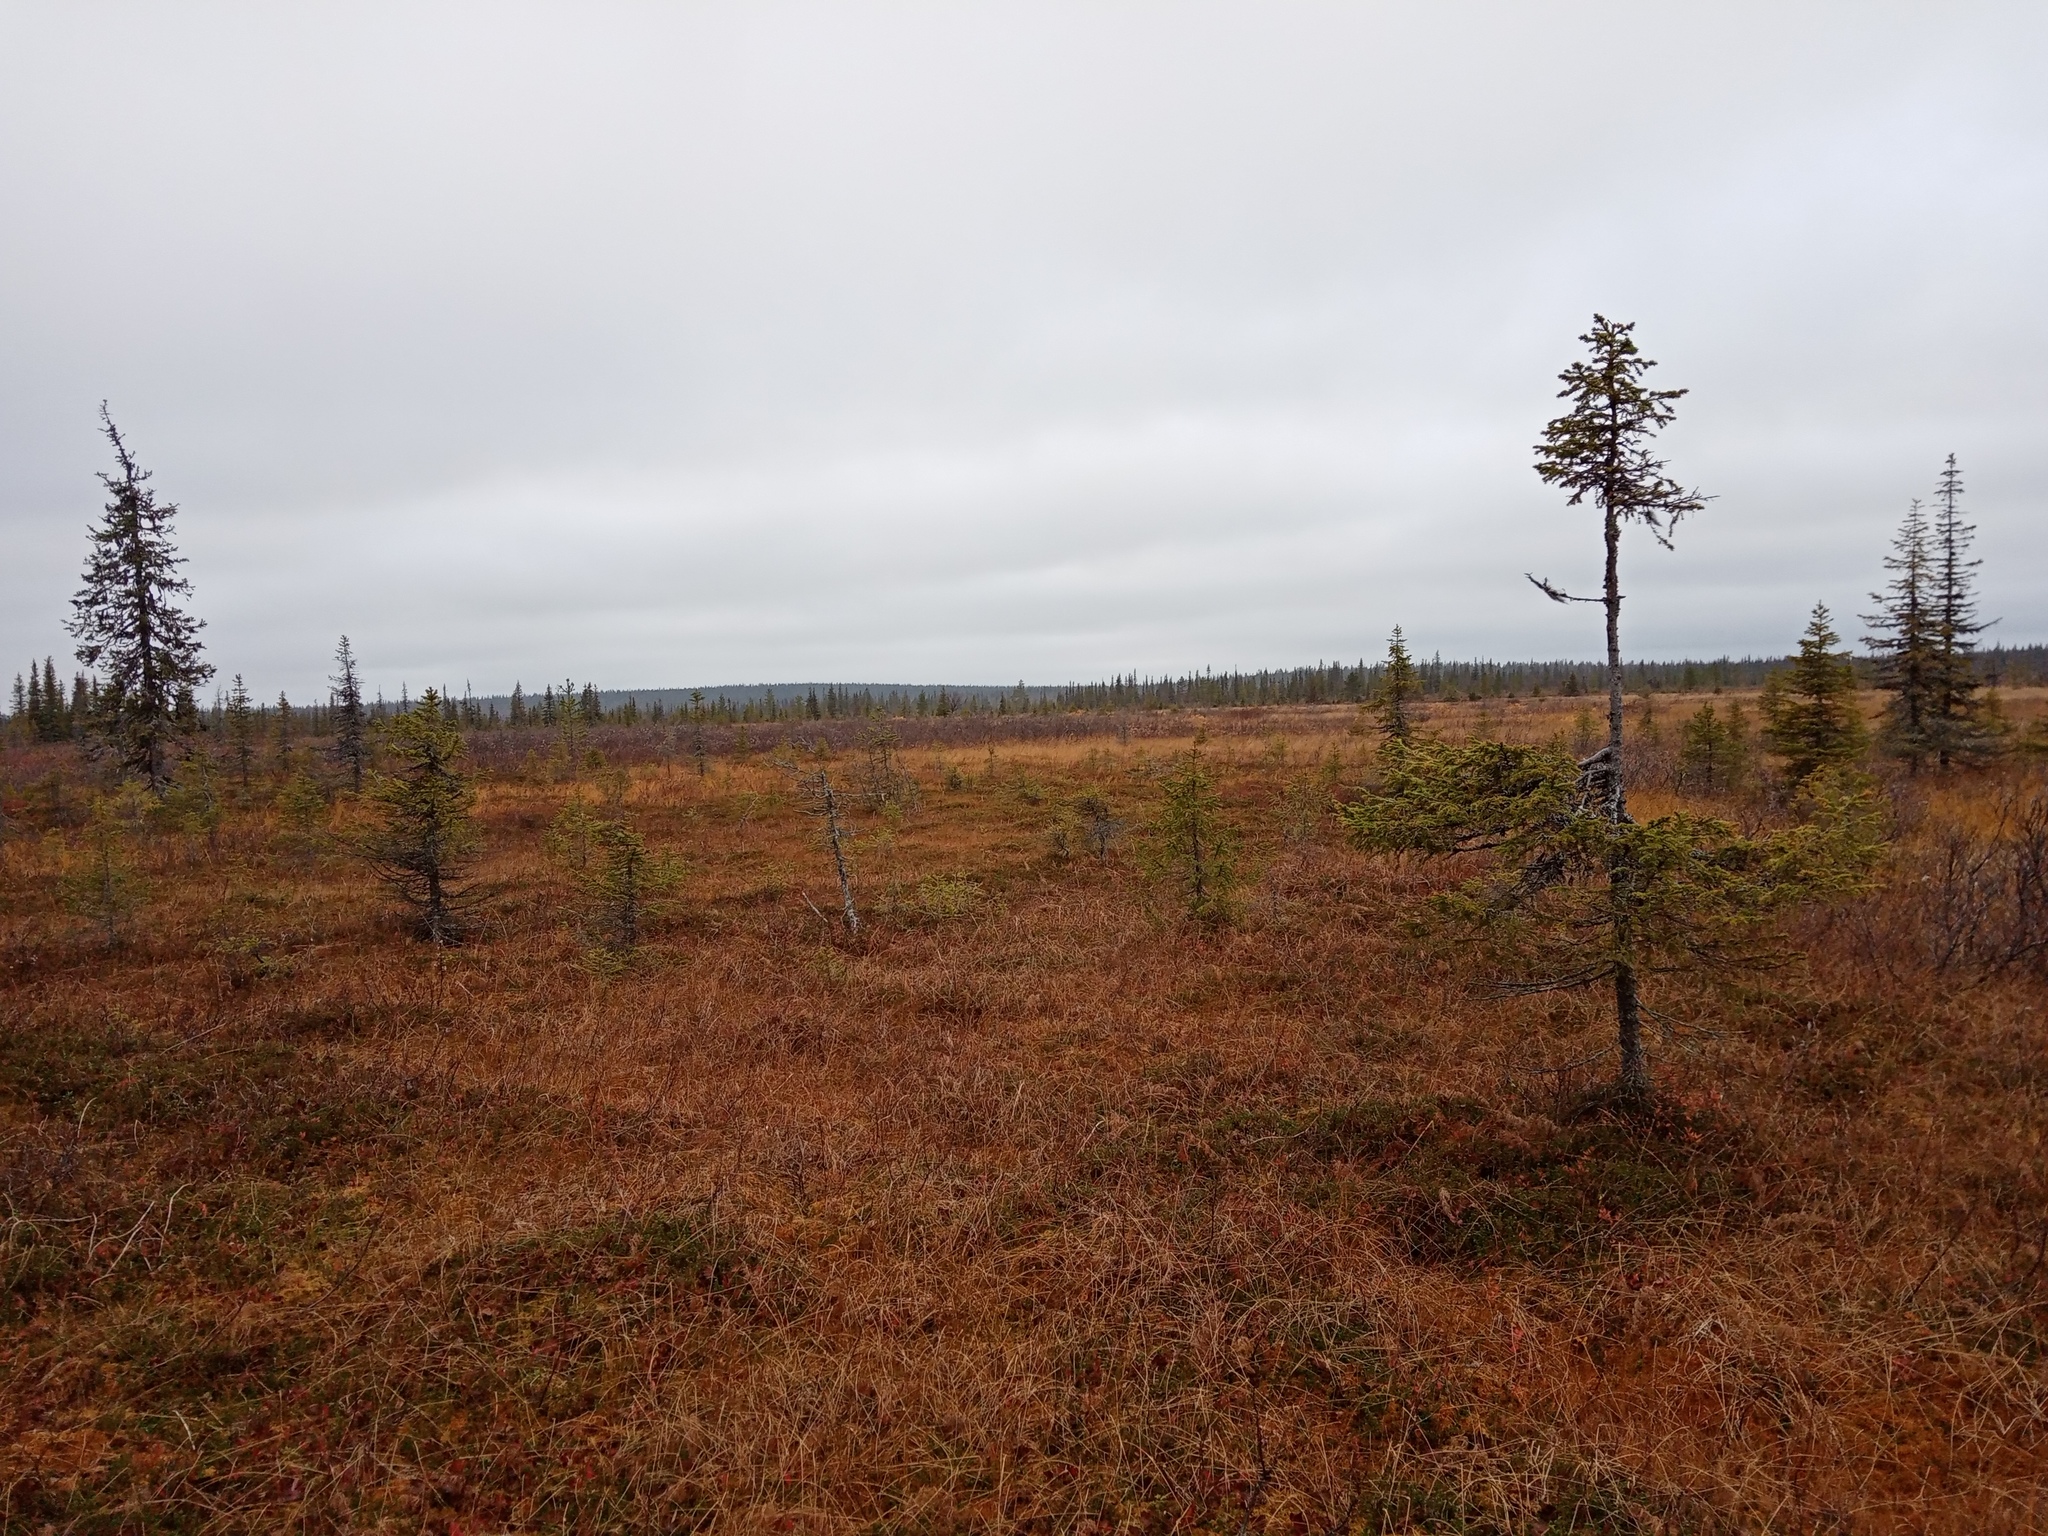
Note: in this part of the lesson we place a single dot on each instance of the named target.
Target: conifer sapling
(423, 848)
(1188, 846)
(99, 881)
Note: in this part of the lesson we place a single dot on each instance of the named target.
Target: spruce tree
(1398, 687)
(1601, 448)
(569, 719)
(240, 719)
(1956, 718)
(301, 807)
(1712, 752)
(1904, 643)
(423, 847)
(619, 882)
(351, 738)
(1696, 895)
(192, 803)
(1810, 715)
(53, 722)
(1189, 846)
(129, 626)
(99, 881)
(282, 743)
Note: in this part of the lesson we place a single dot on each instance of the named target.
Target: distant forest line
(1325, 683)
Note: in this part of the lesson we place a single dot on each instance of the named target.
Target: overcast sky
(970, 343)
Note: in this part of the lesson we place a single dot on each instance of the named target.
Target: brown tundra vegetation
(1031, 1206)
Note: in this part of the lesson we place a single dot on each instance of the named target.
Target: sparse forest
(1407, 1096)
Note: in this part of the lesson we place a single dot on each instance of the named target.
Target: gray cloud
(913, 342)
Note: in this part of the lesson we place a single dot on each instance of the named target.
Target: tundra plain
(1034, 1206)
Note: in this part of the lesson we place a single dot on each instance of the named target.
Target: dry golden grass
(1031, 1209)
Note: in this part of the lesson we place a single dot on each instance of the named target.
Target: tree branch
(1555, 594)
(1568, 983)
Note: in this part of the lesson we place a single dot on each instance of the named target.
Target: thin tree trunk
(1632, 1084)
(1617, 801)
(852, 915)
(437, 906)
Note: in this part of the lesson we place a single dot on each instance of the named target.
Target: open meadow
(1034, 1205)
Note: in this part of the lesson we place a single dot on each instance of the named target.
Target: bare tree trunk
(1632, 1083)
(1617, 801)
(852, 916)
(437, 905)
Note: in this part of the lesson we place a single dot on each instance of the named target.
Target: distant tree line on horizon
(43, 709)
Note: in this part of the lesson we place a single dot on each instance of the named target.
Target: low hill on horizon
(1322, 683)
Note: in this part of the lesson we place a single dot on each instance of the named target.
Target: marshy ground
(1032, 1207)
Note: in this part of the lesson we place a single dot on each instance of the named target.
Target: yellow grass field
(1034, 1207)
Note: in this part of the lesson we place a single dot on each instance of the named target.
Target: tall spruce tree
(130, 627)
(351, 740)
(1810, 715)
(1398, 689)
(1903, 641)
(239, 716)
(1956, 722)
(1602, 448)
(281, 744)
(54, 721)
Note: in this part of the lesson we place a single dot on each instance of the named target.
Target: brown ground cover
(1033, 1208)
